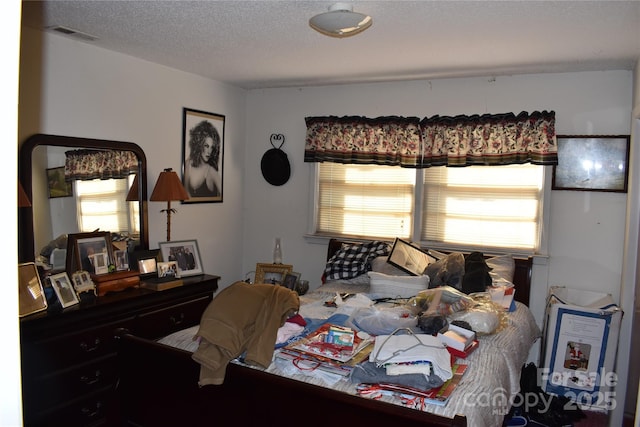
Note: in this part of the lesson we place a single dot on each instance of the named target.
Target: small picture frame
(290, 280)
(64, 290)
(121, 259)
(145, 262)
(82, 282)
(409, 258)
(185, 253)
(30, 292)
(271, 273)
(56, 184)
(168, 269)
(592, 163)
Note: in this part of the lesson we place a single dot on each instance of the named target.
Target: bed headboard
(521, 275)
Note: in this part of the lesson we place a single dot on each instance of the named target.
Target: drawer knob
(176, 320)
(87, 380)
(90, 347)
(91, 412)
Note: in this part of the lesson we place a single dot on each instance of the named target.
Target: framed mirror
(44, 220)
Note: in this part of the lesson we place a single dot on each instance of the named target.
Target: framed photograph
(145, 262)
(409, 258)
(592, 163)
(30, 292)
(168, 269)
(58, 187)
(272, 273)
(121, 260)
(290, 280)
(82, 248)
(100, 262)
(185, 253)
(64, 290)
(202, 155)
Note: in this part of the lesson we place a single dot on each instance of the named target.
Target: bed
(158, 382)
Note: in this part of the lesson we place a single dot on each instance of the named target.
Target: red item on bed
(298, 320)
(467, 351)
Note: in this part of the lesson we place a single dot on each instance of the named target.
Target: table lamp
(168, 188)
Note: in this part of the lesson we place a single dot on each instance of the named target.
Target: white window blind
(365, 200)
(488, 207)
(485, 206)
(102, 205)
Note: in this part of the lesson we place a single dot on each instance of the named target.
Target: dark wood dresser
(69, 364)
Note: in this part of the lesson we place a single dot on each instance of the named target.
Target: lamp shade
(132, 196)
(340, 21)
(23, 200)
(168, 188)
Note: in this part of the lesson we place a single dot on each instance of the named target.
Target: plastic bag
(443, 300)
(484, 316)
(376, 321)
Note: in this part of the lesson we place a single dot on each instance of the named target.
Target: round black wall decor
(275, 166)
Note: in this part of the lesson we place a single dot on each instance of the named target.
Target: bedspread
(487, 389)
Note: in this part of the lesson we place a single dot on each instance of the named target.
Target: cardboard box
(468, 335)
(579, 346)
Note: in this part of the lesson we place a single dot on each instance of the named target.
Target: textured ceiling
(268, 43)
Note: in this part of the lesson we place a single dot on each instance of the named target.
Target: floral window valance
(433, 141)
(99, 164)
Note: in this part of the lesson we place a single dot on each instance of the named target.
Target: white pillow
(503, 266)
(386, 286)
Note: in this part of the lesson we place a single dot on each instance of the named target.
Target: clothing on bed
(370, 373)
(242, 318)
(353, 260)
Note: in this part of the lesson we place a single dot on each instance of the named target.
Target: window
(487, 207)
(102, 205)
(365, 200)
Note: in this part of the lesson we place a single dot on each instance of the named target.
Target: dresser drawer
(63, 386)
(47, 355)
(87, 411)
(156, 324)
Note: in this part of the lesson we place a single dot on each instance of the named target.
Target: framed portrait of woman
(202, 155)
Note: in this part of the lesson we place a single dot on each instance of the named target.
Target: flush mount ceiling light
(340, 21)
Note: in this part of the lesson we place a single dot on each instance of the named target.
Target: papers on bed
(503, 295)
(331, 348)
(330, 341)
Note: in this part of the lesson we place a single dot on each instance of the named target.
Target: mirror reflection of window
(102, 205)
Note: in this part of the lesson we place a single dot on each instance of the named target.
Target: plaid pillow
(353, 260)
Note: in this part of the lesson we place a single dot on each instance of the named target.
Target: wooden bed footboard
(158, 387)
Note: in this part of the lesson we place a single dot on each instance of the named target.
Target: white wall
(10, 393)
(80, 90)
(628, 349)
